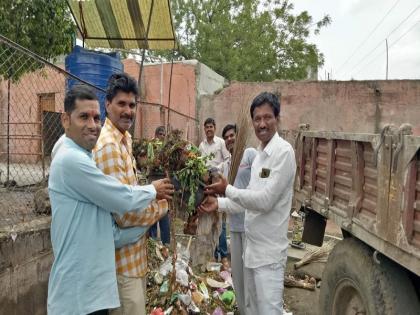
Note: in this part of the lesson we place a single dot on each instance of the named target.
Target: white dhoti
(237, 244)
(264, 289)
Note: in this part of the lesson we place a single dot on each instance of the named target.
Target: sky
(354, 49)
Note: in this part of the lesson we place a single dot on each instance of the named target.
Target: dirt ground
(301, 301)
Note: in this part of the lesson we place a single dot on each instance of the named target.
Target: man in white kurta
(213, 145)
(267, 201)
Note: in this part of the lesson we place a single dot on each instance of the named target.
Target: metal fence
(31, 100)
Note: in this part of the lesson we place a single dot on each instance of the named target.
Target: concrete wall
(351, 106)
(25, 265)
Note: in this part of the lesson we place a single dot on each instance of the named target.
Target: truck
(369, 185)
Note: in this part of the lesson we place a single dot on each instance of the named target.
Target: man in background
(213, 145)
(236, 221)
(160, 133)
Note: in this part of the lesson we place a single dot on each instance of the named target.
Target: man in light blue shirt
(83, 278)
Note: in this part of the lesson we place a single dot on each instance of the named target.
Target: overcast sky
(352, 22)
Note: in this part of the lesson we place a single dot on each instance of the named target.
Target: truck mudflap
(314, 228)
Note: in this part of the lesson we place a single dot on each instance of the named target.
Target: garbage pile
(178, 289)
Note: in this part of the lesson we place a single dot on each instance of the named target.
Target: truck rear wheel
(354, 284)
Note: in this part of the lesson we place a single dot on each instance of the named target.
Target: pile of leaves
(178, 158)
(147, 152)
(193, 176)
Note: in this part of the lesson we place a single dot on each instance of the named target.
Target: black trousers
(101, 312)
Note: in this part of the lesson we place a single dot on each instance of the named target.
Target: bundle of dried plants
(318, 255)
(243, 127)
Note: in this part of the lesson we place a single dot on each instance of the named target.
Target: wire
(390, 46)
(381, 42)
(367, 37)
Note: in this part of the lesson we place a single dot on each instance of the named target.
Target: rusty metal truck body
(369, 185)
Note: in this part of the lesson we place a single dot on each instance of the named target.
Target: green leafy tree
(248, 40)
(44, 27)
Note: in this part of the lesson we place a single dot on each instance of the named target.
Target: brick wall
(25, 112)
(351, 106)
(183, 98)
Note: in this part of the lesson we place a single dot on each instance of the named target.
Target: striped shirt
(113, 155)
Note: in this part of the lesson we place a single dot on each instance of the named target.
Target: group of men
(100, 215)
(258, 204)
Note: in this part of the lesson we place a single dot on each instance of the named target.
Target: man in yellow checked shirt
(113, 155)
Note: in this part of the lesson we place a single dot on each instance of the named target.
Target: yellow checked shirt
(113, 156)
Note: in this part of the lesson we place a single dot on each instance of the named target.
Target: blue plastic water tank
(93, 67)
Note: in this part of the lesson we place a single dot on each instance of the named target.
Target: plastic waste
(174, 298)
(164, 287)
(213, 266)
(193, 286)
(204, 290)
(218, 311)
(157, 311)
(197, 297)
(228, 297)
(168, 311)
(227, 276)
(182, 277)
(193, 309)
(217, 284)
(183, 253)
(166, 267)
(185, 298)
(158, 253)
(158, 278)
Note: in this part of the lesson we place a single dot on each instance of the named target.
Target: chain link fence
(31, 101)
(32, 94)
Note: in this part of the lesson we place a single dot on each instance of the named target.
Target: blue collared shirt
(83, 277)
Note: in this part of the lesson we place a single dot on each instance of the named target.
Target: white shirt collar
(270, 145)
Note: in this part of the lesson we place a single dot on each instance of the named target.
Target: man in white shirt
(267, 201)
(213, 145)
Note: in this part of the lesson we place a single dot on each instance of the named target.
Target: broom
(317, 255)
(242, 137)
